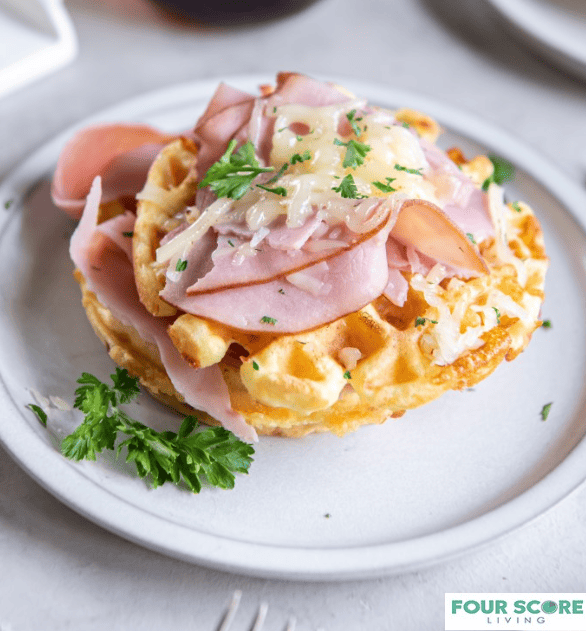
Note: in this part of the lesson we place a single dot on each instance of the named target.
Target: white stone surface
(59, 571)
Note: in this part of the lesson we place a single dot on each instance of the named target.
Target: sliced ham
(462, 201)
(267, 262)
(397, 288)
(356, 277)
(424, 226)
(109, 274)
(214, 134)
(121, 154)
(120, 230)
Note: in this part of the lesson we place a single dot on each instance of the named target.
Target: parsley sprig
(386, 188)
(348, 188)
(214, 454)
(400, 167)
(503, 171)
(351, 116)
(232, 175)
(355, 152)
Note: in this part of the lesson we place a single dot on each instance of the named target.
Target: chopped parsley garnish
(277, 190)
(230, 243)
(214, 453)
(421, 321)
(545, 411)
(471, 237)
(498, 315)
(39, 412)
(295, 158)
(503, 171)
(386, 188)
(347, 375)
(128, 234)
(400, 167)
(515, 206)
(281, 291)
(351, 116)
(355, 152)
(406, 125)
(255, 365)
(348, 188)
(546, 324)
(299, 138)
(8, 203)
(268, 320)
(232, 175)
(278, 174)
(181, 265)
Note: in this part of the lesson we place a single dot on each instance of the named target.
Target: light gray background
(59, 571)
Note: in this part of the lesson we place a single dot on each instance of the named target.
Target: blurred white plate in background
(555, 28)
(37, 37)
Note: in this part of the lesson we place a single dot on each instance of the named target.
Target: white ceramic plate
(443, 479)
(555, 28)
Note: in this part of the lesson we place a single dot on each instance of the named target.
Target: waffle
(361, 369)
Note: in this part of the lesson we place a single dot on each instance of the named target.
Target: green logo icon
(549, 606)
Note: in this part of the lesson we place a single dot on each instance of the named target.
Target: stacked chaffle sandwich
(302, 261)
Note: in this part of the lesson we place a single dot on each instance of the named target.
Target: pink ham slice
(120, 230)
(355, 278)
(121, 154)
(293, 87)
(397, 287)
(214, 134)
(270, 262)
(109, 274)
(424, 226)
(464, 203)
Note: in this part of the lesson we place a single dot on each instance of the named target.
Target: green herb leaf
(386, 188)
(39, 412)
(348, 188)
(351, 116)
(400, 167)
(8, 203)
(421, 321)
(545, 411)
(214, 454)
(546, 324)
(355, 152)
(347, 375)
(268, 320)
(128, 234)
(405, 125)
(281, 291)
(515, 206)
(498, 315)
(230, 243)
(255, 365)
(232, 175)
(278, 190)
(295, 158)
(471, 237)
(503, 172)
(181, 265)
(278, 174)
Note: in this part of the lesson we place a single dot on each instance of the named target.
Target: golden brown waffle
(293, 385)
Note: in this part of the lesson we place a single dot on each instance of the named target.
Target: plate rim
(530, 20)
(25, 445)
